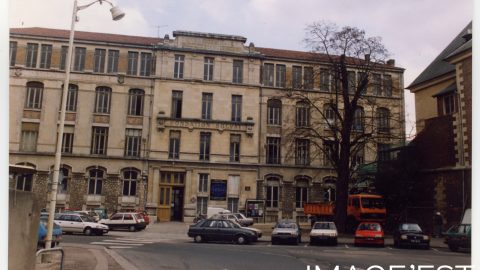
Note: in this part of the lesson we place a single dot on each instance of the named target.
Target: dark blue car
(42, 233)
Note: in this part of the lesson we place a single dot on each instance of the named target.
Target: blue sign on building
(218, 190)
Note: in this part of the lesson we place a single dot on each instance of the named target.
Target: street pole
(58, 152)
(117, 14)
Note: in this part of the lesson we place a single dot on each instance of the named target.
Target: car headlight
(425, 237)
(404, 237)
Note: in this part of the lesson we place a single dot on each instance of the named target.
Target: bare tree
(342, 120)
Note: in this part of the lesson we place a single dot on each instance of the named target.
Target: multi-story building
(443, 102)
(174, 125)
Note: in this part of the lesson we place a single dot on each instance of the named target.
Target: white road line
(129, 241)
(118, 247)
(346, 246)
(435, 249)
(106, 243)
(389, 247)
(306, 245)
(134, 239)
(269, 245)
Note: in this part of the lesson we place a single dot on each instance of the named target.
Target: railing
(51, 250)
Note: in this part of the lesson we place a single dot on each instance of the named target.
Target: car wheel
(335, 242)
(100, 233)
(198, 238)
(87, 231)
(241, 240)
(395, 243)
(299, 239)
(132, 228)
(312, 242)
(427, 247)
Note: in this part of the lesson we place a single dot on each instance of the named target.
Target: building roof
(86, 36)
(138, 40)
(451, 88)
(439, 66)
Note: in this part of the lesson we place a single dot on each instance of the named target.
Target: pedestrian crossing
(123, 243)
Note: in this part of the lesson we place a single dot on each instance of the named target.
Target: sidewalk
(83, 257)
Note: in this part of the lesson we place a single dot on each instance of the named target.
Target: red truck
(360, 207)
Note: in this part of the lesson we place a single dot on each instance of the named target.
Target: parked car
(92, 214)
(324, 232)
(42, 233)
(216, 210)
(234, 219)
(410, 235)
(145, 216)
(221, 230)
(242, 219)
(130, 221)
(79, 223)
(369, 233)
(286, 230)
(459, 236)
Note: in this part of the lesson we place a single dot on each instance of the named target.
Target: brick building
(443, 102)
(173, 125)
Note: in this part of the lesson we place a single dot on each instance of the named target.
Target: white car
(130, 221)
(79, 223)
(245, 221)
(324, 232)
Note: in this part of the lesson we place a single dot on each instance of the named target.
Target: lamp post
(117, 14)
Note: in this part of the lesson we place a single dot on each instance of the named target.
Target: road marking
(269, 245)
(134, 240)
(389, 247)
(435, 249)
(346, 246)
(119, 247)
(123, 244)
(128, 241)
(306, 245)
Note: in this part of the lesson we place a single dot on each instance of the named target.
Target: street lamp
(117, 14)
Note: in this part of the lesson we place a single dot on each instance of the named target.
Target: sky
(413, 31)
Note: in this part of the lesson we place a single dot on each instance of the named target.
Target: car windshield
(369, 227)
(239, 216)
(87, 218)
(287, 225)
(324, 226)
(372, 203)
(410, 227)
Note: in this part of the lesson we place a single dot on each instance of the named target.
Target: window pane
(99, 60)
(113, 61)
(132, 63)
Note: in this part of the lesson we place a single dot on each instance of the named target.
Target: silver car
(286, 231)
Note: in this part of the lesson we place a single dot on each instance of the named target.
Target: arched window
(33, 99)
(302, 114)
(358, 119)
(273, 191)
(329, 188)
(301, 192)
(135, 101)
(274, 112)
(102, 99)
(130, 178)
(64, 180)
(95, 181)
(383, 120)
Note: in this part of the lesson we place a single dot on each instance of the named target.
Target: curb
(102, 263)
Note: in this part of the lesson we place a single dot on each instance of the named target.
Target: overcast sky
(414, 31)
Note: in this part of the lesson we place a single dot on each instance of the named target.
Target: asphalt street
(148, 254)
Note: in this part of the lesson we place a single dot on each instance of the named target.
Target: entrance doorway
(177, 204)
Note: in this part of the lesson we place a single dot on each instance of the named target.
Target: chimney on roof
(468, 35)
(367, 57)
(251, 47)
(166, 37)
(391, 62)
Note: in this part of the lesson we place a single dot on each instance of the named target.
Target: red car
(145, 216)
(369, 233)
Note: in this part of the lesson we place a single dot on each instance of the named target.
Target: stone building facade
(170, 125)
